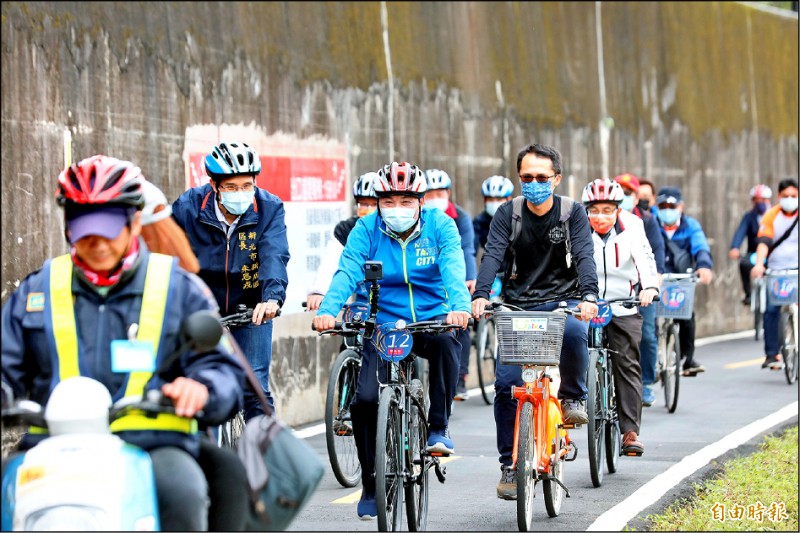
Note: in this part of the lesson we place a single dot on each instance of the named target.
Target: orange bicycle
(532, 339)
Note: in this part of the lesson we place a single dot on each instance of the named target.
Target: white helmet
(602, 190)
(364, 186)
(761, 191)
(497, 187)
(400, 178)
(437, 179)
(153, 197)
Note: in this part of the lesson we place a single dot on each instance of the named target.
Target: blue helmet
(228, 160)
(497, 187)
(437, 179)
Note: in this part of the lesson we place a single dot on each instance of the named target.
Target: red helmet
(400, 178)
(602, 190)
(761, 191)
(101, 180)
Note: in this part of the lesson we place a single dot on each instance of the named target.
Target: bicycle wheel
(388, 462)
(755, 302)
(416, 490)
(595, 427)
(526, 467)
(789, 348)
(486, 351)
(612, 433)
(554, 491)
(671, 373)
(236, 428)
(338, 425)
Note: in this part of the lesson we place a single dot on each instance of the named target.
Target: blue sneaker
(648, 395)
(367, 507)
(439, 441)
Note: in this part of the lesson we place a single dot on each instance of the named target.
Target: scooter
(83, 477)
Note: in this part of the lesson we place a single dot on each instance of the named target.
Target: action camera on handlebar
(373, 270)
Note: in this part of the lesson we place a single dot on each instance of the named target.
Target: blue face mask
(761, 208)
(668, 217)
(237, 202)
(399, 219)
(627, 202)
(537, 193)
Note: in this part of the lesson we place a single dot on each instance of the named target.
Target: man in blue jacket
(686, 247)
(760, 195)
(238, 233)
(438, 197)
(61, 321)
(423, 279)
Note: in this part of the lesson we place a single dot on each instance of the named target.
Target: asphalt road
(732, 393)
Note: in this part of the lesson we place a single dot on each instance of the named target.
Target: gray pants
(181, 489)
(624, 334)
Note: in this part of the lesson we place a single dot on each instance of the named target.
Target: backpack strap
(566, 211)
(516, 227)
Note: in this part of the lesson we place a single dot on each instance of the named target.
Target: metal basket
(782, 288)
(529, 337)
(677, 299)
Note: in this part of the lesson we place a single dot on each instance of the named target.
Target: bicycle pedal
(632, 454)
(574, 449)
(569, 426)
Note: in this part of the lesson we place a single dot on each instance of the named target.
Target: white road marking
(618, 516)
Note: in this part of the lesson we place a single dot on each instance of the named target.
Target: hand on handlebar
(323, 322)
(264, 311)
(705, 275)
(458, 318)
(314, 301)
(478, 306)
(646, 296)
(588, 311)
(188, 395)
(757, 271)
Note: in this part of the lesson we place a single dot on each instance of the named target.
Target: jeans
(772, 333)
(648, 347)
(181, 489)
(256, 343)
(573, 365)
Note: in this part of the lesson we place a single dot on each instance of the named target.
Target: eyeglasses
(604, 213)
(247, 187)
(541, 178)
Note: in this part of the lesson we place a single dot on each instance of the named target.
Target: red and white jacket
(624, 260)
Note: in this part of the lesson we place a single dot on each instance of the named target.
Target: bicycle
(758, 303)
(781, 288)
(485, 341)
(533, 339)
(677, 302)
(604, 436)
(401, 459)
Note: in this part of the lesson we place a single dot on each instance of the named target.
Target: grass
(753, 493)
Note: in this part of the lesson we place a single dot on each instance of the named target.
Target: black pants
(744, 271)
(227, 487)
(624, 334)
(687, 339)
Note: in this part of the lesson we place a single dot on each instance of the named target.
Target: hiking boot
(772, 362)
(461, 389)
(574, 412)
(692, 368)
(342, 429)
(439, 441)
(367, 507)
(631, 444)
(648, 395)
(507, 486)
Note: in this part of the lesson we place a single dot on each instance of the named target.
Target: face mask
(364, 210)
(643, 205)
(492, 207)
(761, 208)
(668, 217)
(602, 224)
(399, 219)
(537, 193)
(789, 204)
(627, 202)
(237, 202)
(438, 203)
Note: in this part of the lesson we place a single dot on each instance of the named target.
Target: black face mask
(643, 205)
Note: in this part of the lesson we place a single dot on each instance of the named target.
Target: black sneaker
(692, 368)
(507, 486)
(772, 362)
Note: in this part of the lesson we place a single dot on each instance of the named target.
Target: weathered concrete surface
(702, 95)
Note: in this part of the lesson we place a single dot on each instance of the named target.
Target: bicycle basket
(781, 289)
(529, 337)
(677, 299)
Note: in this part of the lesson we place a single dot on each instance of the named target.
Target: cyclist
(686, 247)
(540, 272)
(67, 314)
(648, 347)
(625, 264)
(496, 191)
(748, 228)
(366, 203)
(424, 273)
(777, 243)
(646, 196)
(438, 196)
(238, 232)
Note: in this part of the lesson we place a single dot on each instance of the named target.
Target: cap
(669, 195)
(105, 222)
(628, 181)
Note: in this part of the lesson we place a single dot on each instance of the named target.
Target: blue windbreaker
(690, 237)
(423, 279)
(251, 267)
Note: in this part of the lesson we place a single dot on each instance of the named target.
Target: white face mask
(789, 204)
(437, 203)
(399, 219)
(492, 207)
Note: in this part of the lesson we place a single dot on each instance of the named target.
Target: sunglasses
(541, 178)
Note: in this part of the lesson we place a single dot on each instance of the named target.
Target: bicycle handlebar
(351, 329)
(242, 318)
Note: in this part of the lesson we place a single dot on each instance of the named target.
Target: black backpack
(516, 227)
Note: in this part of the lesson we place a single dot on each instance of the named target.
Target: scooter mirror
(202, 331)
